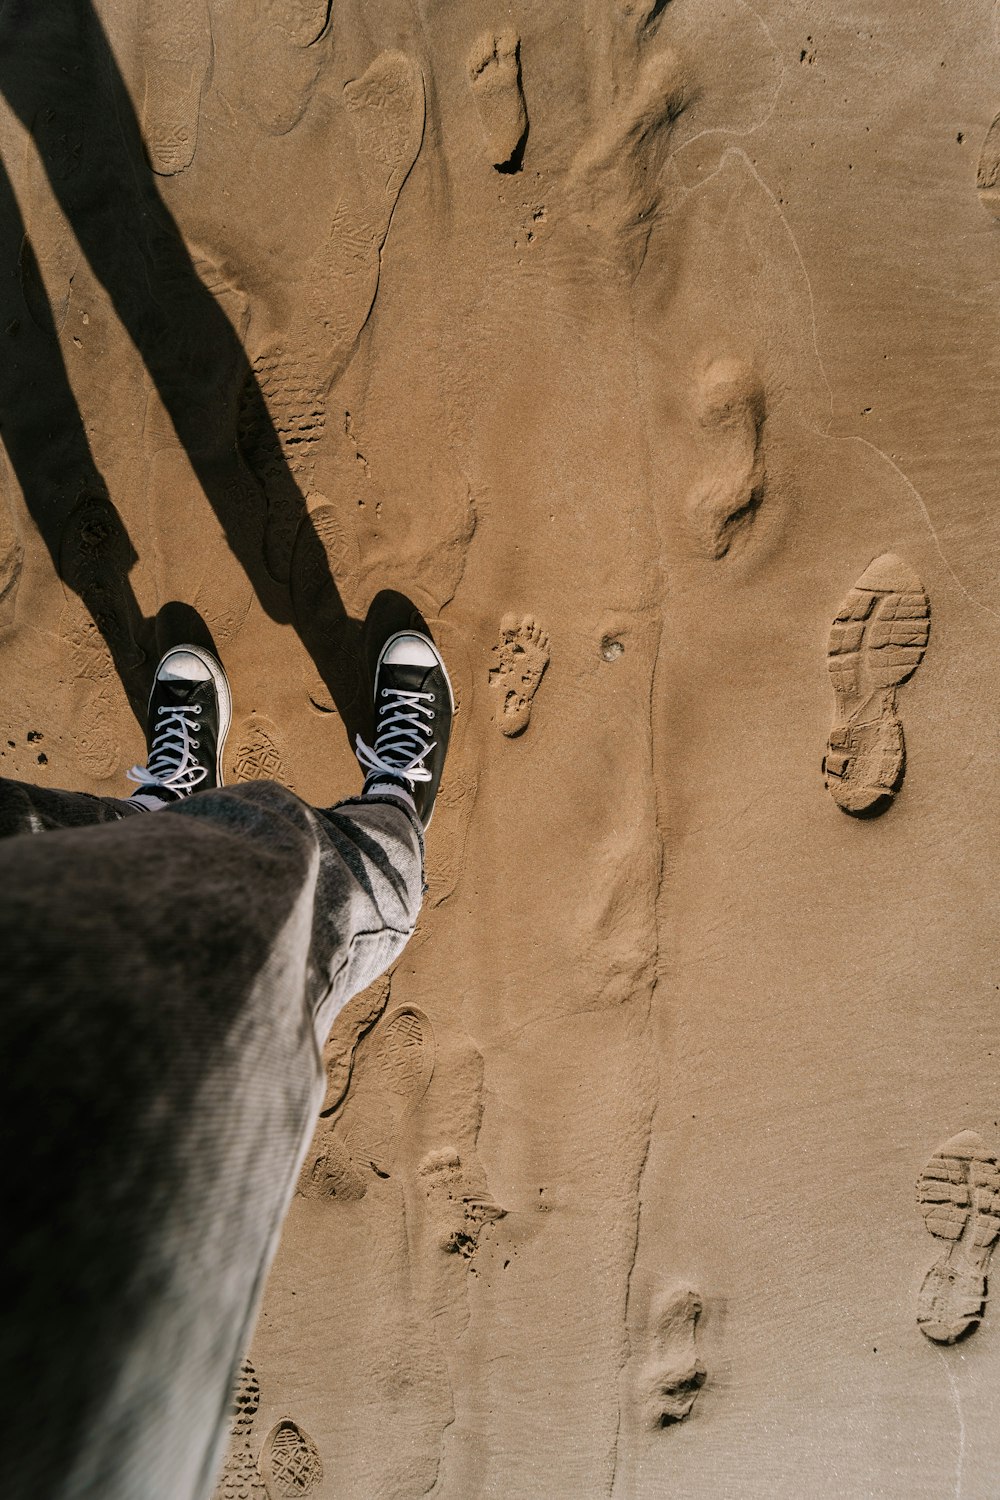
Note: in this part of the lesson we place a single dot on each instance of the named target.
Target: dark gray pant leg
(167, 981)
(40, 809)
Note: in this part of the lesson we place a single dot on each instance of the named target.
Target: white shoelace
(171, 762)
(401, 736)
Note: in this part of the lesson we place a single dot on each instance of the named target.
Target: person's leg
(40, 809)
(168, 982)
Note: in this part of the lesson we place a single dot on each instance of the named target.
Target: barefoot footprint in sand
(495, 77)
(459, 1207)
(959, 1196)
(522, 654)
(730, 415)
(616, 179)
(877, 641)
(673, 1374)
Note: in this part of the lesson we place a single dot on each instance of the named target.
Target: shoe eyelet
(194, 744)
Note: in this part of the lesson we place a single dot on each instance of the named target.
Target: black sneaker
(190, 708)
(413, 712)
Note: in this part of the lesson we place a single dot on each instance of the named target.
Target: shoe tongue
(409, 676)
(177, 691)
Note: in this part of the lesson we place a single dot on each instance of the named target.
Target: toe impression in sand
(673, 1374)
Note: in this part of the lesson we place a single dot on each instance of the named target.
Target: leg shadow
(50, 454)
(56, 57)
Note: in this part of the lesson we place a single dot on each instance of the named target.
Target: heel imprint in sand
(959, 1196)
(673, 1374)
(877, 641)
(521, 656)
(495, 79)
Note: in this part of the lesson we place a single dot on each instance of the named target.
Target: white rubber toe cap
(183, 666)
(410, 651)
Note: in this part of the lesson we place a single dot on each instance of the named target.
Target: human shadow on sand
(59, 76)
(48, 448)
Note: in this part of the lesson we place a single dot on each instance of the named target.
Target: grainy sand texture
(651, 347)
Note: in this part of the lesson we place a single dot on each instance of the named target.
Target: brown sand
(643, 345)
